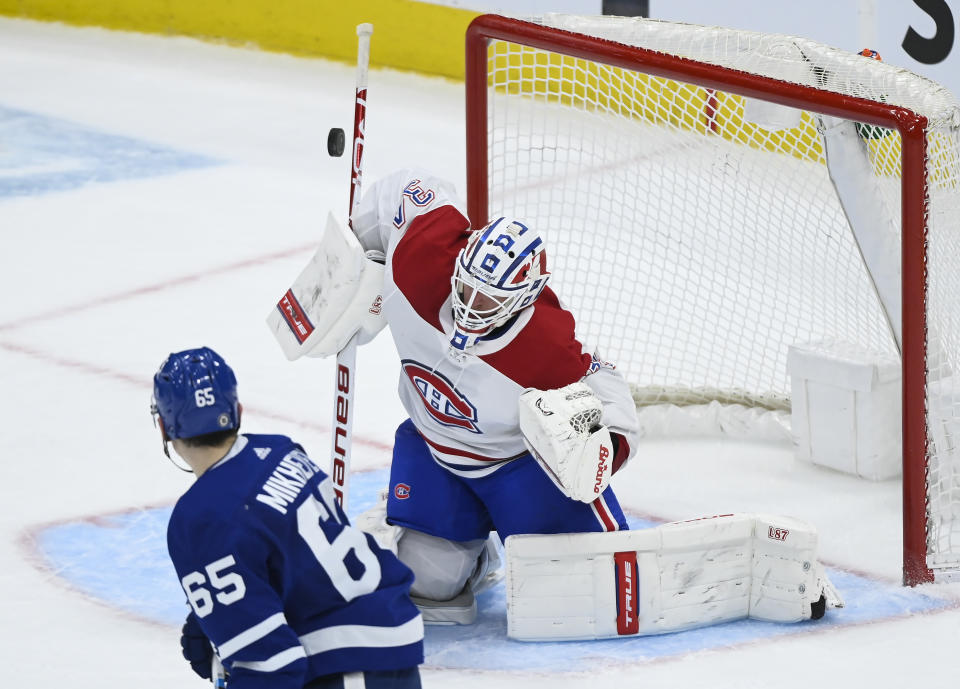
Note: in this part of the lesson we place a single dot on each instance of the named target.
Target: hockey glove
(563, 431)
(196, 647)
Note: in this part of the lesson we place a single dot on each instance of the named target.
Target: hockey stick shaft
(364, 32)
(345, 379)
(217, 674)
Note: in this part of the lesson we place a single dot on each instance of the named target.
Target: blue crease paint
(122, 560)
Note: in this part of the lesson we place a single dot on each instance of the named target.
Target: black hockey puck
(336, 140)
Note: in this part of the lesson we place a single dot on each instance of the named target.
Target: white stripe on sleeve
(275, 662)
(362, 636)
(251, 635)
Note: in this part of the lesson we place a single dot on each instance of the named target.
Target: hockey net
(680, 174)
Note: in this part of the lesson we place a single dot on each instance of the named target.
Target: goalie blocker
(337, 296)
(674, 577)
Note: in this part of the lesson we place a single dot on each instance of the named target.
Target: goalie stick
(336, 244)
(345, 377)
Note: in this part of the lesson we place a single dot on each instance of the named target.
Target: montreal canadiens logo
(401, 491)
(445, 403)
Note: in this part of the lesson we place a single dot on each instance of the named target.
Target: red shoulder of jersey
(424, 257)
(546, 353)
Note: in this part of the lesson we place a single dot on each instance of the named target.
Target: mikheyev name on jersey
(286, 481)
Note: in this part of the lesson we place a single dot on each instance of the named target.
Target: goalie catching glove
(562, 430)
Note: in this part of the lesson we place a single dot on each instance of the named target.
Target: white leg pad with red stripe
(674, 577)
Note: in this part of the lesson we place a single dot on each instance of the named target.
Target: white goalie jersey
(465, 405)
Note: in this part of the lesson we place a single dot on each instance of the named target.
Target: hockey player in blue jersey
(288, 592)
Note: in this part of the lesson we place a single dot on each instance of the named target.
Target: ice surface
(159, 193)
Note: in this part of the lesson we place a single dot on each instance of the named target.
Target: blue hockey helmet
(195, 393)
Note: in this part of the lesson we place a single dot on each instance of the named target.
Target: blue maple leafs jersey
(281, 583)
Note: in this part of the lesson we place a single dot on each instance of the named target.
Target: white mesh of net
(695, 246)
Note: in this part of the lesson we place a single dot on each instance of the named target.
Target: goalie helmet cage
(695, 230)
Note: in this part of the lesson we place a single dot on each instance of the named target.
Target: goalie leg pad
(448, 574)
(674, 577)
(374, 522)
(441, 567)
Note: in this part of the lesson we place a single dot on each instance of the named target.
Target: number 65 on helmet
(195, 393)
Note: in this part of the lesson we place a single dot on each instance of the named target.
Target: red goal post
(589, 86)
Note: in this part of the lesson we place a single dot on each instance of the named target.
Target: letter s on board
(930, 51)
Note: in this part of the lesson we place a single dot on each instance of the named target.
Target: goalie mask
(195, 393)
(501, 271)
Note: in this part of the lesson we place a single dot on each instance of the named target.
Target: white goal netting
(697, 234)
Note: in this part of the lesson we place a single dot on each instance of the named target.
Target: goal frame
(911, 126)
